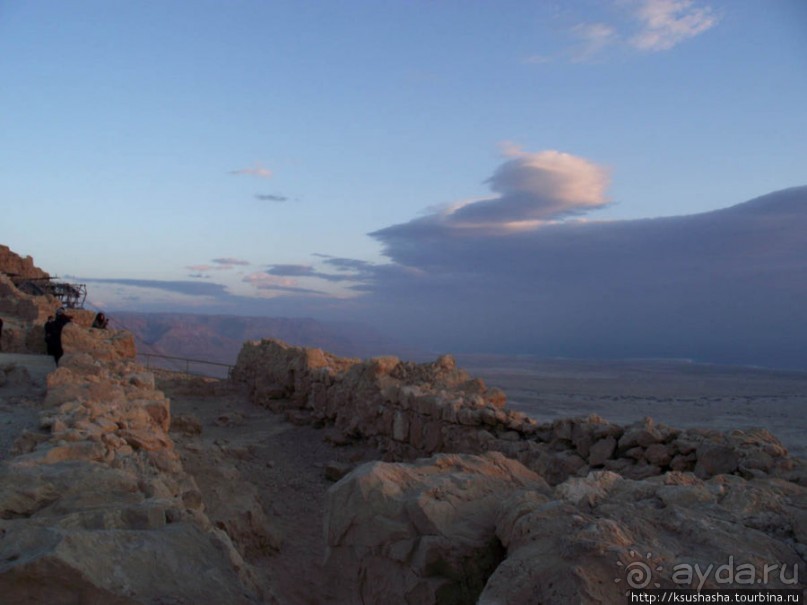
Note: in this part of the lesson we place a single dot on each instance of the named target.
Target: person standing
(50, 327)
(53, 334)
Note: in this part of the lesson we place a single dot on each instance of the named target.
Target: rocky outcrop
(13, 264)
(507, 510)
(25, 308)
(23, 314)
(96, 507)
(412, 410)
(457, 528)
(108, 345)
(597, 537)
(23, 317)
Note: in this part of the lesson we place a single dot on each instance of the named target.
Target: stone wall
(413, 410)
(95, 506)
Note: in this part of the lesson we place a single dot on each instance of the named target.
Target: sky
(555, 178)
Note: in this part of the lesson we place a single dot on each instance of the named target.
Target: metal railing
(177, 364)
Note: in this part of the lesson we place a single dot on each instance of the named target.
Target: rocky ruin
(109, 496)
(95, 506)
(479, 502)
(411, 410)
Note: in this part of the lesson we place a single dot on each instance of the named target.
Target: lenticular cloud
(543, 186)
(533, 189)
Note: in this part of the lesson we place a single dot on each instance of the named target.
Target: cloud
(638, 26)
(291, 270)
(593, 38)
(190, 288)
(309, 271)
(532, 188)
(667, 23)
(258, 170)
(727, 286)
(268, 197)
(538, 187)
(230, 262)
(220, 264)
(347, 264)
(263, 280)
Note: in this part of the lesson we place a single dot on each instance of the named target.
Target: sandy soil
(678, 393)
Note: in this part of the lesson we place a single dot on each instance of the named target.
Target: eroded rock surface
(523, 512)
(457, 528)
(420, 533)
(95, 506)
(411, 410)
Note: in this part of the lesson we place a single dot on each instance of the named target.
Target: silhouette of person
(53, 334)
(50, 327)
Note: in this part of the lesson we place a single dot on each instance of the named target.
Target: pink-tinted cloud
(640, 25)
(261, 280)
(257, 170)
(667, 23)
(532, 188)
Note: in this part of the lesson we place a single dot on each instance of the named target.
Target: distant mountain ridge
(219, 338)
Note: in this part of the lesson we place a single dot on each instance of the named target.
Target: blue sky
(236, 156)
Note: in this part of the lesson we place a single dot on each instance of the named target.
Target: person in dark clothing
(50, 327)
(53, 334)
(100, 321)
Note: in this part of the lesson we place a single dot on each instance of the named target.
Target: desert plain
(679, 393)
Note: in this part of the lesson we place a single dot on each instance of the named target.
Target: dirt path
(283, 462)
(22, 389)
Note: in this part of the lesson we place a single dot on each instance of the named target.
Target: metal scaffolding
(72, 296)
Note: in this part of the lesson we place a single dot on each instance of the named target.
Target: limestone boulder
(177, 564)
(421, 533)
